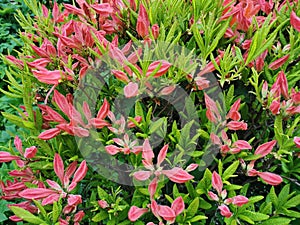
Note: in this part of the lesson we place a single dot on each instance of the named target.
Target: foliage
(122, 113)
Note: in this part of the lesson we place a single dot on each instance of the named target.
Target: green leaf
(197, 218)
(246, 218)
(102, 194)
(193, 207)
(100, 216)
(204, 204)
(276, 221)
(154, 126)
(256, 216)
(273, 197)
(283, 195)
(229, 97)
(230, 170)
(27, 216)
(55, 212)
(41, 208)
(293, 202)
(266, 208)
(190, 189)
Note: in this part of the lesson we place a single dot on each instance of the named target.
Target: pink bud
(167, 90)
(163, 68)
(239, 200)
(225, 211)
(30, 152)
(79, 216)
(264, 90)
(135, 213)
(201, 82)
(217, 182)
(224, 194)
(297, 141)
(215, 139)
(131, 90)
(103, 204)
(282, 81)
(213, 196)
(155, 31)
(143, 22)
(120, 75)
(295, 97)
(191, 167)
(236, 125)
(233, 113)
(295, 21)
(18, 144)
(50, 199)
(270, 178)
(265, 148)
(241, 144)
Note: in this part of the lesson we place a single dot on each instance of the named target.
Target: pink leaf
(167, 213)
(233, 112)
(103, 111)
(142, 175)
(131, 90)
(279, 62)
(217, 182)
(50, 199)
(295, 21)
(7, 157)
(147, 153)
(152, 187)
(112, 149)
(58, 166)
(36, 193)
(225, 211)
(162, 155)
(49, 134)
(178, 175)
(178, 205)
(135, 213)
(80, 172)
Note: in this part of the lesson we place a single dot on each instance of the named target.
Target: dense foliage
(153, 112)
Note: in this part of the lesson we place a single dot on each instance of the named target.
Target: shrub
(155, 112)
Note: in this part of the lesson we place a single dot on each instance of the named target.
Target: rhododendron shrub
(154, 112)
